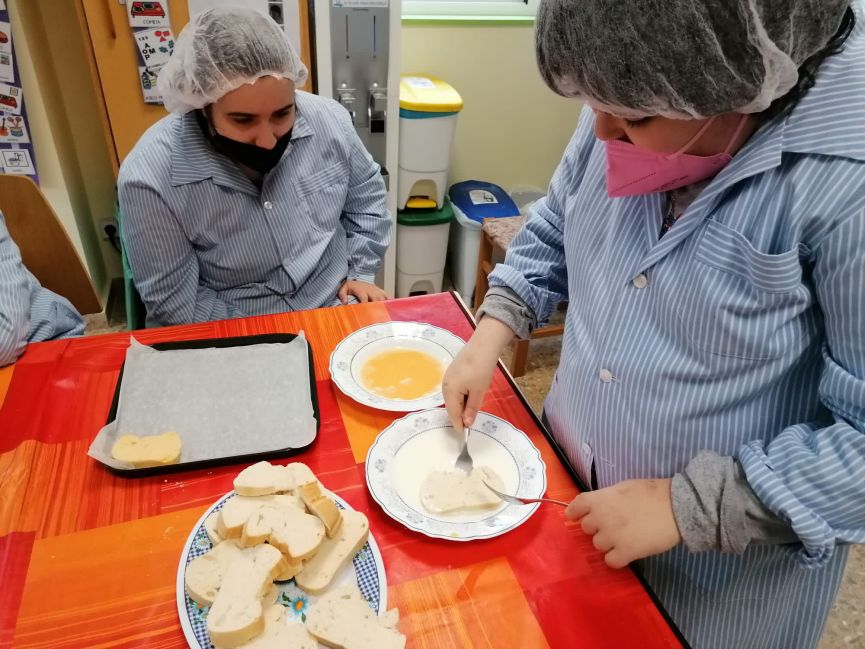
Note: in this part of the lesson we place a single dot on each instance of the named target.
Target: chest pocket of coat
(323, 195)
(739, 302)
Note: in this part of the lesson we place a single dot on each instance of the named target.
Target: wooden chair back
(46, 249)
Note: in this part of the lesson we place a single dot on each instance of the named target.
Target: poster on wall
(16, 147)
(151, 31)
(17, 161)
(13, 130)
(147, 78)
(7, 72)
(11, 99)
(147, 14)
(5, 37)
(155, 46)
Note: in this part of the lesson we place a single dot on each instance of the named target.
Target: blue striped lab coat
(741, 331)
(205, 243)
(29, 312)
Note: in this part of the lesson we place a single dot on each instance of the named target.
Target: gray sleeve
(716, 509)
(506, 306)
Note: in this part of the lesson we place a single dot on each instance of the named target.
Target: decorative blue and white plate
(405, 453)
(367, 570)
(353, 352)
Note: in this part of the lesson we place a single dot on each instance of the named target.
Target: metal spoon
(516, 500)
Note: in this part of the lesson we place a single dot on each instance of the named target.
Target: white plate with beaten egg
(394, 366)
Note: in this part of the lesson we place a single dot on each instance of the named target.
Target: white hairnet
(685, 59)
(222, 49)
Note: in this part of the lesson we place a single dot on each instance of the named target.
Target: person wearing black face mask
(252, 197)
(251, 156)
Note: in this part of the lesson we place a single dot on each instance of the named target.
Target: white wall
(52, 183)
(512, 129)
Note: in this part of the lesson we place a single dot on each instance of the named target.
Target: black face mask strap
(203, 123)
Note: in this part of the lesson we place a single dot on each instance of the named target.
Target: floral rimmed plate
(409, 449)
(366, 569)
(355, 350)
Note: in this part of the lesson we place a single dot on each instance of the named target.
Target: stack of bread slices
(281, 525)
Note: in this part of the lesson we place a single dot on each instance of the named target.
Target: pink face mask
(632, 171)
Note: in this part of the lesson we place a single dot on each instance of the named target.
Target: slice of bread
(293, 566)
(237, 614)
(301, 473)
(263, 479)
(444, 492)
(237, 510)
(390, 618)
(257, 528)
(279, 635)
(270, 597)
(343, 619)
(294, 532)
(147, 451)
(210, 525)
(321, 506)
(334, 554)
(204, 574)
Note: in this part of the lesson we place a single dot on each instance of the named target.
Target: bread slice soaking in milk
(448, 492)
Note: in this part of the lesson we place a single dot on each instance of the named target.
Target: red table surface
(89, 559)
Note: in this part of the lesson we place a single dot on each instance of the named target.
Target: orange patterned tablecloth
(89, 559)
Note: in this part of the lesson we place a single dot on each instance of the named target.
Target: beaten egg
(402, 374)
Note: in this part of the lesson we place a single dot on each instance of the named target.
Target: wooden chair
(136, 312)
(45, 247)
(496, 236)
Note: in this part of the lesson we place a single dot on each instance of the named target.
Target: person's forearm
(490, 339)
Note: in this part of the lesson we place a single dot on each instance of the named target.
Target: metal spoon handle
(516, 500)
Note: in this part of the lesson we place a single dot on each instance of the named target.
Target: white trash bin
(473, 201)
(428, 109)
(421, 249)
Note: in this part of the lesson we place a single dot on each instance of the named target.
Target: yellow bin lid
(427, 94)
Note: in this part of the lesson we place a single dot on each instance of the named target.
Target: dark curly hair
(783, 106)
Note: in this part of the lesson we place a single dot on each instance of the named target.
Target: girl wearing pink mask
(707, 227)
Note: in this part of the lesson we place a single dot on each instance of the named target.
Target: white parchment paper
(223, 402)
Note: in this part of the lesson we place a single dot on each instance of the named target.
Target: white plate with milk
(406, 452)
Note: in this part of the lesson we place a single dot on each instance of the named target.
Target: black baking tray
(237, 341)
